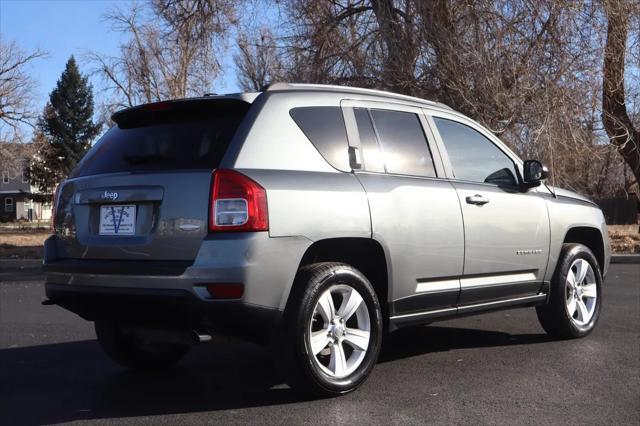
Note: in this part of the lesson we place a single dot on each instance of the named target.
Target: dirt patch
(23, 244)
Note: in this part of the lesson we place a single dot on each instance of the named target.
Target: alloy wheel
(581, 292)
(339, 338)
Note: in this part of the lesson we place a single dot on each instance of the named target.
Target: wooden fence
(620, 210)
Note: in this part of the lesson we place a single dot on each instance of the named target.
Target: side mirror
(534, 172)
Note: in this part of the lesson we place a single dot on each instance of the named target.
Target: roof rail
(279, 86)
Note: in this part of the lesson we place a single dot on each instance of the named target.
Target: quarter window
(403, 142)
(325, 128)
(5, 177)
(474, 157)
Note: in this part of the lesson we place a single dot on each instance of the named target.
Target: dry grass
(27, 244)
(624, 238)
(23, 244)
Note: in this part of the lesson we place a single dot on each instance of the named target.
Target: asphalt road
(498, 368)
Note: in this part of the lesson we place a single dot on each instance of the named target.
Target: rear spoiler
(181, 109)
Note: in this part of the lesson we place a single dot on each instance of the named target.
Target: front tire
(332, 330)
(134, 353)
(576, 294)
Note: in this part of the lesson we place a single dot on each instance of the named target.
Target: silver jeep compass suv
(314, 218)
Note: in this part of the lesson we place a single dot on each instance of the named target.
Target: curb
(626, 258)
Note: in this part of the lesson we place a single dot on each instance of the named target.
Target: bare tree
(619, 125)
(257, 60)
(172, 50)
(14, 158)
(526, 69)
(16, 90)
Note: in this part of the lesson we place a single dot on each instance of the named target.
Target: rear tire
(332, 330)
(575, 301)
(134, 353)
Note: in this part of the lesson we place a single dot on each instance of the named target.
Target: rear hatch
(142, 191)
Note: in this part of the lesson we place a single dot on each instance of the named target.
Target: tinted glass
(474, 157)
(197, 143)
(324, 127)
(371, 155)
(404, 145)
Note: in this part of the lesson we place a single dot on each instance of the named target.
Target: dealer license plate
(118, 220)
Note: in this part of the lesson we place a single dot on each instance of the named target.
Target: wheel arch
(364, 254)
(590, 237)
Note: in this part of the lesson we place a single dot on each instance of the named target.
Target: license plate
(118, 220)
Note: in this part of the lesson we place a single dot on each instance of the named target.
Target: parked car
(314, 219)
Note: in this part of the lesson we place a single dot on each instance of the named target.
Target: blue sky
(70, 27)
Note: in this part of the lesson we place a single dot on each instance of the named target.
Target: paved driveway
(497, 368)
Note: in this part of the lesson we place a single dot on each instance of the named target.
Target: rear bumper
(266, 266)
(165, 308)
(171, 293)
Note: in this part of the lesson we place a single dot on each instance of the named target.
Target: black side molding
(165, 309)
(427, 316)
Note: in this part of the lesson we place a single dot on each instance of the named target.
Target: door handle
(477, 199)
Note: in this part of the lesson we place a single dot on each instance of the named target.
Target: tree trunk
(615, 118)
(396, 30)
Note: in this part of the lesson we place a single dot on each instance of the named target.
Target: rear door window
(372, 156)
(403, 142)
(474, 157)
(173, 140)
(325, 128)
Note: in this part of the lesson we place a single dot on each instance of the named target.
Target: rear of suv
(312, 218)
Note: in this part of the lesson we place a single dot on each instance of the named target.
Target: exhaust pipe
(175, 336)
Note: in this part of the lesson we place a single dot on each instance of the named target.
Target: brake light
(237, 203)
(158, 106)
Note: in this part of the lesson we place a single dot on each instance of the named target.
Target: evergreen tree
(65, 129)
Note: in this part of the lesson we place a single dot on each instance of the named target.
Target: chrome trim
(437, 286)
(497, 280)
(415, 314)
(534, 298)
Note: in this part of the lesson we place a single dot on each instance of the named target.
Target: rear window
(170, 139)
(325, 128)
(403, 143)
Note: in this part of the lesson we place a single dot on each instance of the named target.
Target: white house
(16, 194)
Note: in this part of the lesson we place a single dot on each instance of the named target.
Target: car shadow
(414, 341)
(75, 381)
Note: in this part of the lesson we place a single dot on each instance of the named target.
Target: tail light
(237, 203)
(54, 202)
